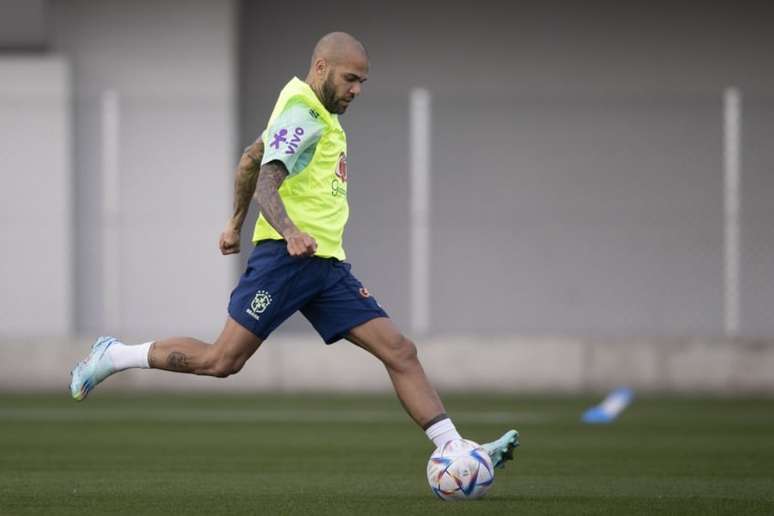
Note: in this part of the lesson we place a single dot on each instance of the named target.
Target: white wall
(171, 63)
(36, 287)
(508, 364)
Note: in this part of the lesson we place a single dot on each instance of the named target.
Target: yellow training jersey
(311, 144)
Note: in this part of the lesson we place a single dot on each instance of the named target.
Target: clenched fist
(300, 244)
(229, 239)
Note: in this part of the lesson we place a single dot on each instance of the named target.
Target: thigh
(343, 304)
(236, 342)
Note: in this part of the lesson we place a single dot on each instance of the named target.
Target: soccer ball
(460, 470)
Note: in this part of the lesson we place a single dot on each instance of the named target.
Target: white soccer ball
(460, 470)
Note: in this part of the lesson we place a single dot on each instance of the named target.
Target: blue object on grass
(610, 408)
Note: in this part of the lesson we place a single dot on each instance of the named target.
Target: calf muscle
(188, 355)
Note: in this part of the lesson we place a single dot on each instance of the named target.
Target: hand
(300, 244)
(229, 239)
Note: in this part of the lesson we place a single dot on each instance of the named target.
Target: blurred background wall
(36, 226)
(577, 169)
(577, 156)
(146, 259)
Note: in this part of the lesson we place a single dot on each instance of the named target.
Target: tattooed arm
(270, 178)
(244, 187)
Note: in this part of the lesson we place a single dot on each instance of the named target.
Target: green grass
(273, 454)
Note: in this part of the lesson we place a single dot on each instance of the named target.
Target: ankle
(441, 430)
(128, 357)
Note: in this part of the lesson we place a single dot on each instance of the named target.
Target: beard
(329, 98)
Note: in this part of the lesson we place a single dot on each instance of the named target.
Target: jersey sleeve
(292, 138)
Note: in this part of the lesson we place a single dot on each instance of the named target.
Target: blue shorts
(276, 285)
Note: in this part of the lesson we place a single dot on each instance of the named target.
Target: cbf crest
(338, 184)
(259, 304)
(341, 169)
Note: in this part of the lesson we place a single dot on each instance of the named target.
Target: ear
(321, 67)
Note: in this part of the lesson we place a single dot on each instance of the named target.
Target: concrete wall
(577, 187)
(172, 66)
(461, 364)
(36, 201)
(577, 157)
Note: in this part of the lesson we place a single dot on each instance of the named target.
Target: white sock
(126, 357)
(442, 432)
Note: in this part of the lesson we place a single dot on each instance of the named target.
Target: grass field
(272, 454)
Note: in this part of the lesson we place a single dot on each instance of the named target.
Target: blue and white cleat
(501, 450)
(93, 369)
(610, 408)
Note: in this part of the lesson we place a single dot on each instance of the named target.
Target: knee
(402, 353)
(222, 366)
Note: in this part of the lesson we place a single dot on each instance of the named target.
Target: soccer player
(298, 173)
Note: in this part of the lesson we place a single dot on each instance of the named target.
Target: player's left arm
(272, 176)
(244, 188)
(293, 134)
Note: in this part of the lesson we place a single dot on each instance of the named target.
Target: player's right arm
(270, 178)
(244, 188)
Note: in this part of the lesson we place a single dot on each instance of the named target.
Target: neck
(316, 87)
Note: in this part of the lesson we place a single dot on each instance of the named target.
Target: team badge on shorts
(364, 293)
(259, 304)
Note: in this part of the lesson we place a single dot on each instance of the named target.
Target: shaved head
(338, 68)
(338, 46)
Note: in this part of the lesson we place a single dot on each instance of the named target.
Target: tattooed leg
(188, 355)
(181, 354)
(177, 361)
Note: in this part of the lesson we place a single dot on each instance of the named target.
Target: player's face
(343, 84)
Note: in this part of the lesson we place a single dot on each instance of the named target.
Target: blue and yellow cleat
(92, 370)
(501, 450)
